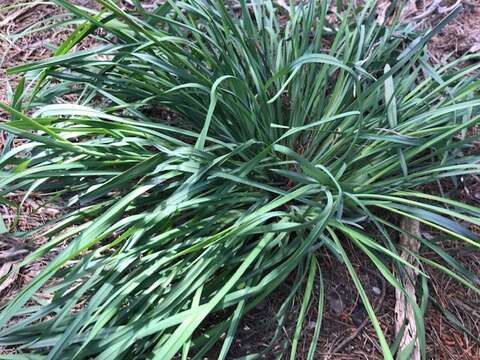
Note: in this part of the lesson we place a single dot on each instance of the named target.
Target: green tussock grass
(287, 141)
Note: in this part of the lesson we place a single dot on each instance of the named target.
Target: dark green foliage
(285, 142)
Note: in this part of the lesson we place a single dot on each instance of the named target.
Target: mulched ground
(344, 334)
(39, 40)
(344, 313)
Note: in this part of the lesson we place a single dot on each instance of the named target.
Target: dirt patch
(23, 215)
(461, 36)
(27, 34)
(346, 332)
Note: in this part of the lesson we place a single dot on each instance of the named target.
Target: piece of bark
(404, 313)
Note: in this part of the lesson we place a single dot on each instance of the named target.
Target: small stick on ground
(12, 17)
(283, 4)
(404, 313)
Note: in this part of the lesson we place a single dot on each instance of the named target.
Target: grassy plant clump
(288, 135)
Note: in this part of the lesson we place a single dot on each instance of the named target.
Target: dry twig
(404, 312)
(13, 16)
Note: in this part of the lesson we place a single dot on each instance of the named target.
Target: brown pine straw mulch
(346, 332)
(16, 17)
(344, 314)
